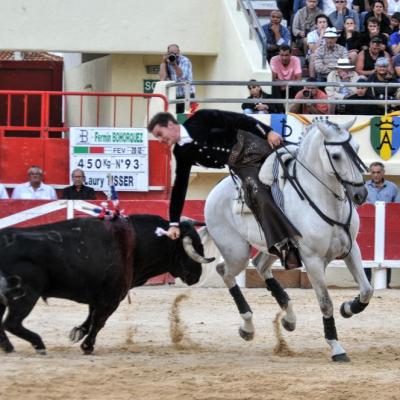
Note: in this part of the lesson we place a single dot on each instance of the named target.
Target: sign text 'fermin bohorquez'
(121, 152)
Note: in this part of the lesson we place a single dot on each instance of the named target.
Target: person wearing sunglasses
(338, 16)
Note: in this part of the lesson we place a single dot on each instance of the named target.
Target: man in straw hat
(343, 72)
(328, 54)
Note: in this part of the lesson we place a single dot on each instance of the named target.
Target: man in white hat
(328, 54)
(343, 72)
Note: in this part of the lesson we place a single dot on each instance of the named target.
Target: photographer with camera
(176, 67)
(310, 93)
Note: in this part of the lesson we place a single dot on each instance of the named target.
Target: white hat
(344, 63)
(330, 33)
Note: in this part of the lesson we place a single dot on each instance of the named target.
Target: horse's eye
(336, 156)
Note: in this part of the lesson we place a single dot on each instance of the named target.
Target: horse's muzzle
(359, 195)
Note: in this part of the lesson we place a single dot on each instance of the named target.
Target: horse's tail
(209, 277)
(10, 288)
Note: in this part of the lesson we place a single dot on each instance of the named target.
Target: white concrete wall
(104, 26)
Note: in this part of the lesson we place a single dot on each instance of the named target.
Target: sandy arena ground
(136, 359)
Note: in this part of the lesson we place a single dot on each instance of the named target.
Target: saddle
(272, 173)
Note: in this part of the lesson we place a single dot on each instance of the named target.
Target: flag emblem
(385, 136)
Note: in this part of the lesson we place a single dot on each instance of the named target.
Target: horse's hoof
(246, 335)
(41, 352)
(343, 311)
(340, 358)
(87, 350)
(289, 326)
(76, 334)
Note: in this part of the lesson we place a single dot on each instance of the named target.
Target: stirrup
(290, 257)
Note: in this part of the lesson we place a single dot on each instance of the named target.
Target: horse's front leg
(316, 274)
(246, 331)
(263, 263)
(355, 266)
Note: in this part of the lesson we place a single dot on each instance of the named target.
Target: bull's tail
(10, 288)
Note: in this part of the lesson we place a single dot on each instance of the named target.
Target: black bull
(90, 261)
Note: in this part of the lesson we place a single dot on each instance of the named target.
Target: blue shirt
(187, 75)
(388, 193)
(271, 41)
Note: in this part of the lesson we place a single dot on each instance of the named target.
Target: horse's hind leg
(354, 264)
(316, 275)
(18, 310)
(235, 262)
(263, 263)
(5, 343)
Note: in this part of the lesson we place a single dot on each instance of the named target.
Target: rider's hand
(174, 232)
(274, 139)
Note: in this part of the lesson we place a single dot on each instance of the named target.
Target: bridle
(294, 181)
(353, 157)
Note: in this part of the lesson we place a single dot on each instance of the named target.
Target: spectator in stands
(276, 34)
(350, 39)
(176, 67)
(395, 21)
(362, 93)
(344, 72)
(382, 75)
(310, 93)
(366, 58)
(78, 191)
(377, 11)
(373, 30)
(285, 67)
(286, 8)
(338, 16)
(3, 192)
(394, 42)
(304, 22)
(34, 189)
(328, 54)
(380, 189)
(315, 39)
(298, 4)
(256, 92)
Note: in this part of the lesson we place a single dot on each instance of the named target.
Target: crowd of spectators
(335, 41)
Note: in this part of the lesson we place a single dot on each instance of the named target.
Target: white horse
(327, 179)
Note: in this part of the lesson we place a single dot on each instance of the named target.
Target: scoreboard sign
(121, 152)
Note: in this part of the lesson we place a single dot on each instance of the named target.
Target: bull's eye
(336, 156)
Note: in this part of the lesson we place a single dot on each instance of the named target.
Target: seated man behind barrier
(380, 189)
(78, 191)
(285, 67)
(34, 189)
(310, 93)
(256, 92)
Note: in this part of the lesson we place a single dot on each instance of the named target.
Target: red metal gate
(34, 140)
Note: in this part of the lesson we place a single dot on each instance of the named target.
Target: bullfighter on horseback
(214, 139)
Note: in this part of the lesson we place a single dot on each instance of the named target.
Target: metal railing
(255, 27)
(386, 102)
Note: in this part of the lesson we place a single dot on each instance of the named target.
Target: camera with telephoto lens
(307, 94)
(171, 57)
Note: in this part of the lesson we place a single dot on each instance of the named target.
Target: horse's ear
(323, 127)
(349, 124)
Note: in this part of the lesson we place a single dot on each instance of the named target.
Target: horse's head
(340, 150)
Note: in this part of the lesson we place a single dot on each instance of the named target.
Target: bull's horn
(192, 221)
(193, 254)
(348, 124)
